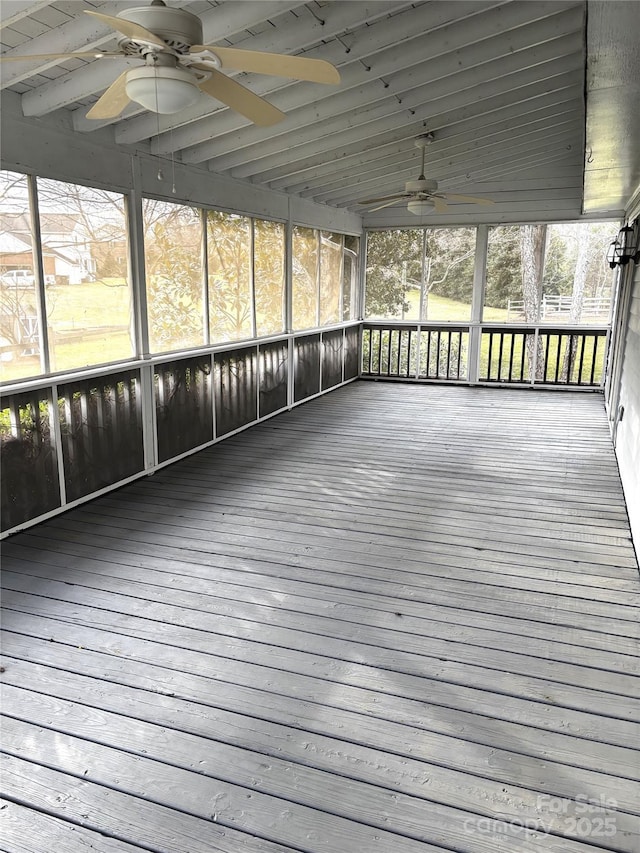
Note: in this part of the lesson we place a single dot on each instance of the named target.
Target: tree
(173, 261)
(504, 278)
(558, 264)
(450, 262)
(532, 246)
(229, 249)
(448, 268)
(394, 263)
(577, 297)
(268, 275)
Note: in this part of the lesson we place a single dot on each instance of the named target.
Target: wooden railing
(72, 438)
(543, 356)
(477, 354)
(404, 351)
(67, 439)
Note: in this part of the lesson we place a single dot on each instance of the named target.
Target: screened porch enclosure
(316, 432)
(228, 319)
(311, 637)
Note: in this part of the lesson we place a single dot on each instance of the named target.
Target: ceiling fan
(178, 66)
(422, 195)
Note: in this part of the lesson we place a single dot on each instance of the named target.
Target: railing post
(288, 306)
(290, 372)
(419, 350)
(148, 408)
(214, 427)
(477, 302)
(54, 419)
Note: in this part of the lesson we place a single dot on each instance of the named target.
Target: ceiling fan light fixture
(162, 90)
(420, 206)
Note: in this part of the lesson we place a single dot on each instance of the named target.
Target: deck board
(398, 618)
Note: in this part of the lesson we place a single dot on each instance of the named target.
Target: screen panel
(306, 367)
(29, 485)
(184, 412)
(101, 427)
(235, 389)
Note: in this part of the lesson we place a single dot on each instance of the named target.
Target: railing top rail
(414, 324)
(600, 329)
(596, 331)
(69, 376)
(64, 377)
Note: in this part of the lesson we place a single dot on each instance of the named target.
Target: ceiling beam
(453, 92)
(404, 155)
(533, 93)
(530, 161)
(407, 168)
(386, 155)
(12, 11)
(380, 57)
(469, 215)
(443, 78)
(77, 34)
(403, 133)
(374, 50)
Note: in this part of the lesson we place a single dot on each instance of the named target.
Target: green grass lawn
(440, 309)
(89, 305)
(88, 324)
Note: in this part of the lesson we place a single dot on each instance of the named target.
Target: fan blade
(383, 198)
(128, 28)
(113, 101)
(468, 198)
(439, 204)
(94, 54)
(276, 64)
(388, 204)
(241, 99)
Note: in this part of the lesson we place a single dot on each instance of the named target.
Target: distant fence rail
(65, 439)
(559, 307)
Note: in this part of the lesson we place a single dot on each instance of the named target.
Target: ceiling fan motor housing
(180, 29)
(422, 185)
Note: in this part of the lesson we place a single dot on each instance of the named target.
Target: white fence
(559, 307)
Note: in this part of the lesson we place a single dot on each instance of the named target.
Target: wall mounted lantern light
(624, 248)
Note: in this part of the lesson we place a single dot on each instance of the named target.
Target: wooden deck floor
(398, 619)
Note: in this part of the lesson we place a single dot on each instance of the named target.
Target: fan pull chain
(173, 164)
(155, 79)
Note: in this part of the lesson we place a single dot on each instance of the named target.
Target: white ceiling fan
(177, 66)
(422, 196)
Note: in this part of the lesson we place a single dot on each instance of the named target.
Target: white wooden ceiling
(501, 85)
